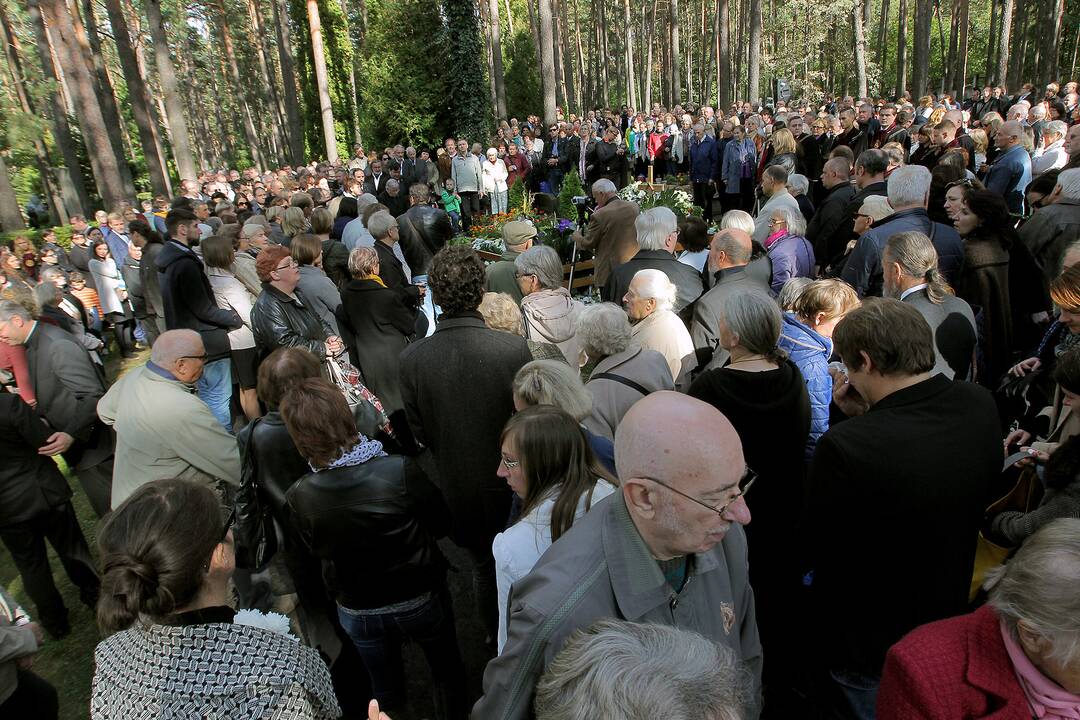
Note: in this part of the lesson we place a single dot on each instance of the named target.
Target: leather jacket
(424, 231)
(277, 462)
(278, 320)
(374, 526)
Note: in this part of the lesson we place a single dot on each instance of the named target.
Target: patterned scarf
(361, 452)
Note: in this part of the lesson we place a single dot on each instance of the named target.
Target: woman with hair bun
(167, 554)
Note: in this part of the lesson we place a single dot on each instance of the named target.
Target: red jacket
(955, 669)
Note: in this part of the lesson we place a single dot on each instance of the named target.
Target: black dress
(770, 411)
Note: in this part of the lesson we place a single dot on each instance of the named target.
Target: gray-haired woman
(1016, 657)
(764, 396)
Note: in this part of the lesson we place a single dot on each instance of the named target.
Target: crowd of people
(761, 477)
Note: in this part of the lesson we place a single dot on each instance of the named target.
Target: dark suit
(687, 280)
(68, 388)
(953, 325)
(896, 497)
(374, 185)
(824, 229)
(35, 505)
(393, 274)
(456, 386)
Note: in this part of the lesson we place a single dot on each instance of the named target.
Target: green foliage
(63, 236)
(571, 187)
(523, 93)
(402, 86)
(515, 196)
(470, 112)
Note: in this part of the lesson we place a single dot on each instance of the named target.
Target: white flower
(272, 621)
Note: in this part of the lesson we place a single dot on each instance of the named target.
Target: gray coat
(705, 330)
(612, 398)
(955, 334)
(322, 294)
(601, 568)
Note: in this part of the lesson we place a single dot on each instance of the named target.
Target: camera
(581, 200)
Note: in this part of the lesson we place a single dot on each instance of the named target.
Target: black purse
(254, 530)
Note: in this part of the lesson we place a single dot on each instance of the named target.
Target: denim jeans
(853, 695)
(215, 389)
(378, 640)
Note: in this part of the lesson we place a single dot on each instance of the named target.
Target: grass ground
(69, 663)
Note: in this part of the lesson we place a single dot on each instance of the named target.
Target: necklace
(746, 359)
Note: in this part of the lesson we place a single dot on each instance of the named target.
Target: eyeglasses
(509, 464)
(745, 484)
(194, 357)
(774, 221)
(522, 275)
(287, 266)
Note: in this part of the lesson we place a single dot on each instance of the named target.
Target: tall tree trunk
(651, 31)
(901, 48)
(1004, 36)
(676, 55)
(547, 60)
(962, 44)
(295, 132)
(1050, 30)
(10, 217)
(137, 96)
(534, 28)
(240, 91)
(77, 202)
(753, 79)
(602, 48)
(990, 44)
(174, 106)
(262, 54)
(631, 91)
(582, 75)
(860, 48)
(941, 42)
(497, 59)
(556, 47)
(948, 77)
(880, 44)
(103, 159)
(89, 43)
(13, 54)
(920, 61)
(723, 63)
(485, 23)
(318, 56)
(569, 57)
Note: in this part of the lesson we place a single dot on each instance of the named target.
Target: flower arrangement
(679, 201)
(272, 621)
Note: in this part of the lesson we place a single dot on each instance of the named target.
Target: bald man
(1011, 171)
(729, 262)
(669, 549)
(162, 428)
(826, 231)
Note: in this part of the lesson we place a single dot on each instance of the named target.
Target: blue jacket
(810, 352)
(702, 159)
(863, 268)
(792, 256)
(731, 172)
(118, 245)
(1009, 176)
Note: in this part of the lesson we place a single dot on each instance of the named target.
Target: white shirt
(518, 548)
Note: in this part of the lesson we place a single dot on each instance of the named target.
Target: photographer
(610, 233)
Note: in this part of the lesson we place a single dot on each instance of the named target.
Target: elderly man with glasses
(668, 549)
(185, 442)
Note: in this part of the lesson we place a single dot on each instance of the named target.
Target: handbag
(367, 410)
(254, 530)
(1023, 497)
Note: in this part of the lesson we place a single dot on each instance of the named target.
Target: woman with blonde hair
(807, 337)
(783, 150)
(502, 313)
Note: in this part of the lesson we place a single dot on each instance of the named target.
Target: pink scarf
(1047, 699)
(772, 239)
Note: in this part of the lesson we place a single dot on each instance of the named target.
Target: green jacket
(501, 276)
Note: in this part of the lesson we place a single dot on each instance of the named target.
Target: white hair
(908, 186)
(1057, 127)
(1037, 112)
(603, 329)
(654, 226)
(1019, 108)
(793, 219)
(655, 284)
(603, 185)
(738, 220)
(1069, 182)
(380, 223)
(798, 184)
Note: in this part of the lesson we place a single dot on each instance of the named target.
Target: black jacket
(376, 323)
(278, 320)
(456, 386)
(131, 271)
(824, 229)
(189, 300)
(335, 261)
(374, 526)
(393, 273)
(896, 498)
(277, 462)
(423, 232)
(687, 280)
(30, 484)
